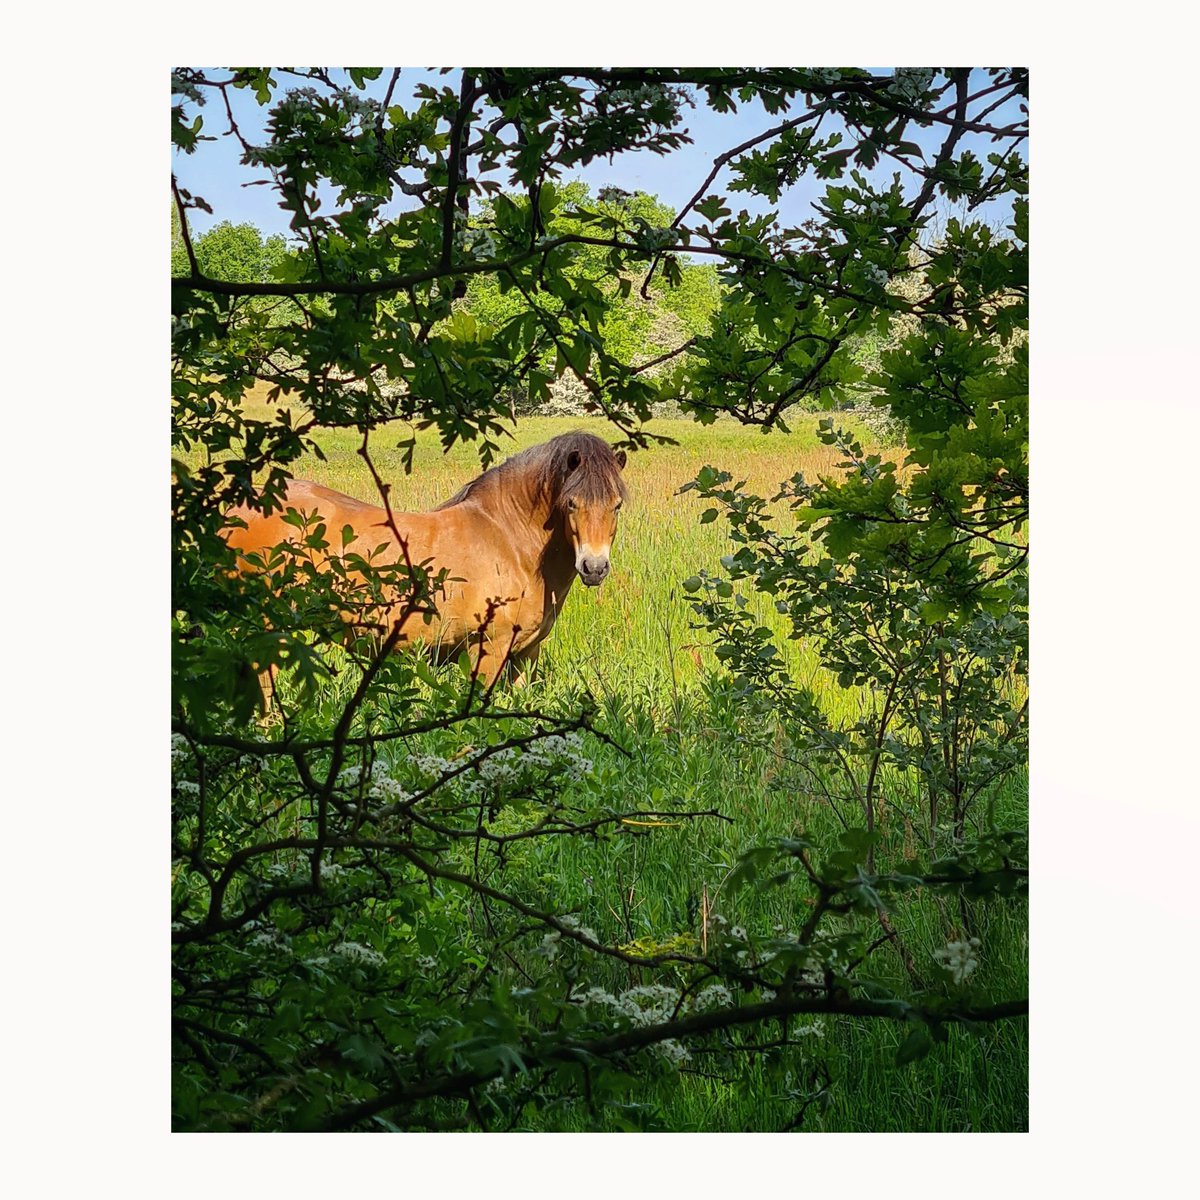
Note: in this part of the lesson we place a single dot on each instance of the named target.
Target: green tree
(327, 972)
(238, 253)
(639, 323)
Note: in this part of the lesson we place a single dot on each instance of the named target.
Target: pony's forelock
(595, 479)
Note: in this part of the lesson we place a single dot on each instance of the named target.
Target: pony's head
(590, 496)
(578, 477)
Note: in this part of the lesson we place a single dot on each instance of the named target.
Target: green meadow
(688, 746)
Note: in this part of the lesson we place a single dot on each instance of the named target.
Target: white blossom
(716, 995)
(550, 947)
(384, 787)
(431, 764)
(269, 939)
(357, 952)
(959, 958)
(573, 923)
(674, 1052)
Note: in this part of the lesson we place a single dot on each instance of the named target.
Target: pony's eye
(617, 507)
(572, 504)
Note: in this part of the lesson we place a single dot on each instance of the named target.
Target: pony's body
(511, 542)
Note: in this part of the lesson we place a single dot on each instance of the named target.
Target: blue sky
(215, 172)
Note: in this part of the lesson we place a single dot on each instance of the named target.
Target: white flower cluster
(550, 943)
(825, 74)
(560, 752)
(959, 958)
(358, 953)
(382, 785)
(426, 962)
(186, 785)
(909, 84)
(270, 939)
(649, 1004)
(676, 1053)
(432, 766)
(513, 765)
(875, 274)
(716, 995)
(179, 748)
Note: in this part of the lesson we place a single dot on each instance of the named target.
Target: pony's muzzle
(592, 570)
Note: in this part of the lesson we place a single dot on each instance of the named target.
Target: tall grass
(631, 644)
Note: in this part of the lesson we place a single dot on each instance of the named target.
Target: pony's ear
(620, 457)
(573, 460)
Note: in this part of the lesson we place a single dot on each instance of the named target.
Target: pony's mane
(594, 480)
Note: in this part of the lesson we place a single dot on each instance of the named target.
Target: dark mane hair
(595, 477)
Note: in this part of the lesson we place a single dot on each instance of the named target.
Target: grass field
(630, 642)
(635, 627)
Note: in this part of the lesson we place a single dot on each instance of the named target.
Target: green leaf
(915, 1046)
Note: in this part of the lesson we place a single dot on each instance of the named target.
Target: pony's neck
(525, 511)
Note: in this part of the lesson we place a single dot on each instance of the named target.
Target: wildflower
(358, 953)
(426, 962)
(572, 923)
(959, 959)
(595, 995)
(431, 764)
(386, 788)
(716, 995)
(187, 786)
(674, 1052)
(738, 933)
(269, 939)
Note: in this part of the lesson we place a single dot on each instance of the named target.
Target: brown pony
(511, 542)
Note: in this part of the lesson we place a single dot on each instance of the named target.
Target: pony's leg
(494, 657)
(491, 661)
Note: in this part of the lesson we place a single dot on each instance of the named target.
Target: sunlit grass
(631, 643)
